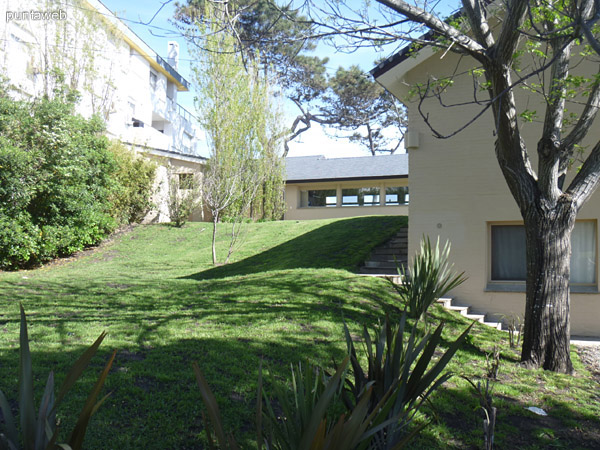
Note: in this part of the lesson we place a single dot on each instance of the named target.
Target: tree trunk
(214, 238)
(547, 327)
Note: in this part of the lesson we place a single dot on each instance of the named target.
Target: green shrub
(62, 187)
(402, 371)
(131, 198)
(19, 240)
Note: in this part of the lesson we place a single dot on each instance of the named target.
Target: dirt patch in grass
(118, 285)
(125, 229)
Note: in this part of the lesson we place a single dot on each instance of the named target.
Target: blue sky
(161, 30)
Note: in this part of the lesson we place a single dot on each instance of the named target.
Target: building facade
(323, 188)
(458, 191)
(83, 45)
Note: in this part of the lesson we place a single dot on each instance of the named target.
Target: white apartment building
(117, 74)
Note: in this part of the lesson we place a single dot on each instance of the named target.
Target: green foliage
(401, 374)
(380, 402)
(355, 101)
(185, 196)
(276, 307)
(429, 278)
(242, 127)
(63, 186)
(134, 179)
(280, 40)
(42, 432)
(55, 181)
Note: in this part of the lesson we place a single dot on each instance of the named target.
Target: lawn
(283, 299)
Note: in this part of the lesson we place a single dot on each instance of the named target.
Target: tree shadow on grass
(159, 330)
(457, 408)
(155, 402)
(343, 244)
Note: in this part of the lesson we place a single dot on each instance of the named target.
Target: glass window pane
(349, 197)
(397, 195)
(324, 197)
(508, 253)
(360, 196)
(583, 253)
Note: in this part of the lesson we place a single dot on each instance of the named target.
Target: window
(326, 197)
(508, 253)
(397, 195)
(153, 80)
(360, 197)
(186, 180)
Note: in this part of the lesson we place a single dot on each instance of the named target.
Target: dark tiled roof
(319, 168)
(410, 49)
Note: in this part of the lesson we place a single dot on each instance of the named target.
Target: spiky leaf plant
(41, 432)
(400, 368)
(429, 278)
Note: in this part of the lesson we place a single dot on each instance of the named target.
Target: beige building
(322, 188)
(458, 191)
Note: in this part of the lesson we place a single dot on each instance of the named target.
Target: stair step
(395, 278)
(389, 258)
(395, 243)
(463, 310)
(478, 317)
(378, 271)
(446, 302)
(389, 251)
(382, 264)
(496, 325)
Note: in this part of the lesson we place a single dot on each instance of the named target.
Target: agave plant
(380, 402)
(401, 373)
(306, 421)
(429, 278)
(41, 432)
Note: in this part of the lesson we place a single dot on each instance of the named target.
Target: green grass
(282, 299)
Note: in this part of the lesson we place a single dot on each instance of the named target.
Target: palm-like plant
(401, 373)
(429, 278)
(41, 432)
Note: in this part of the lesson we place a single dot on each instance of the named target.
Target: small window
(186, 180)
(324, 197)
(153, 80)
(397, 195)
(508, 253)
(360, 197)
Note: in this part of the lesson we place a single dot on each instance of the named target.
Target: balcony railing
(188, 116)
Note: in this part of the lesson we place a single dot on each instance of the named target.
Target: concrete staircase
(385, 259)
(466, 311)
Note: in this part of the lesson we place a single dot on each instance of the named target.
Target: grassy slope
(282, 299)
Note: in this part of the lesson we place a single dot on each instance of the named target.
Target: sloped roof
(304, 169)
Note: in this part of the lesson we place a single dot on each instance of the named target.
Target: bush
(130, 200)
(61, 187)
(402, 371)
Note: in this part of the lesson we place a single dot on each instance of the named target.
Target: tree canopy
(283, 40)
(514, 44)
